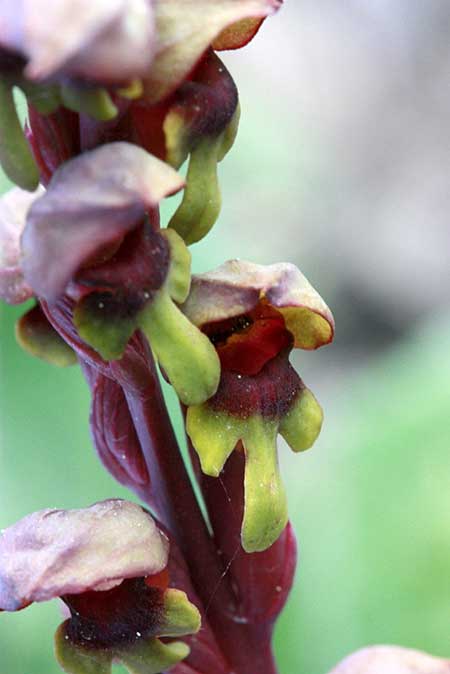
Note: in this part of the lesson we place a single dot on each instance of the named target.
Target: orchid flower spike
(89, 56)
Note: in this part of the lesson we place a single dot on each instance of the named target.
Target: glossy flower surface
(57, 552)
(94, 236)
(114, 41)
(236, 288)
(254, 315)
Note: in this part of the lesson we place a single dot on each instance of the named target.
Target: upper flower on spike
(108, 564)
(105, 40)
(391, 660)
(184, 30)
(92, 57)
(254, 315)
(94, 235)
(51, 553)
(113, 41)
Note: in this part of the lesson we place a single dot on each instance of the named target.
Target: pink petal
(237, 286)
(91, 201)
(102, 40)
(56, 552)
(13, 210)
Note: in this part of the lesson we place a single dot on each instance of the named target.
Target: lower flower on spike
(108, 564)
(391, 660)
(254, 315)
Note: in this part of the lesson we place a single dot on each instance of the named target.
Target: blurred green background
(339, 168)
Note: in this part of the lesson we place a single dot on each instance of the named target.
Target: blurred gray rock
(343, 159)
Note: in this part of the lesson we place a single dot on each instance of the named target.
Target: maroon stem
(246, 647)
(171, 493)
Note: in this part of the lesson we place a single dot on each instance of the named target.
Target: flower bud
(200, 119)
(113, 432)
(391, 660)
(54, 139)
(105, 40)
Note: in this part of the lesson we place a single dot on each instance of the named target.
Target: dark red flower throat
(118, 616)
(245, 343)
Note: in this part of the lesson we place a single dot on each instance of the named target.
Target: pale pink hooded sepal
(52, 553)
(92, 201)
(105, 40)
(237, 286)
(391, 660)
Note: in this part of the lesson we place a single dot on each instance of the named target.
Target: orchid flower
(120, 94)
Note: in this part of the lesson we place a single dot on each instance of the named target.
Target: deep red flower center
(117, 616)
(247, 342)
